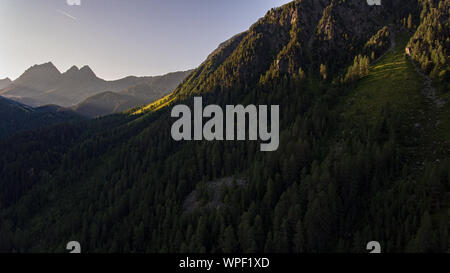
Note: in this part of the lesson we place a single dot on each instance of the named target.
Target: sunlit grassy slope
(394, 86)
(155, 106)
(391, 81)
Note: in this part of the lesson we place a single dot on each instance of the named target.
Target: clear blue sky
(117, 38)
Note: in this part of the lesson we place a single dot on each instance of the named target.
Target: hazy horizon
(118, 39)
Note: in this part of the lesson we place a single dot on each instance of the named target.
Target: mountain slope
(360, 155)
(16, 117)
(106, 103)
(136, 95)
(430, 45)
(4, 83)
(298, 38)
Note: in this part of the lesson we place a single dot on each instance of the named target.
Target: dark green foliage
(16, 117)
(378, 44)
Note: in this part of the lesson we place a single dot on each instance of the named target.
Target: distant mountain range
(149, 90)
(89, 95)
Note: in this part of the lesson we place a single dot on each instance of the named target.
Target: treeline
(430, 45)
(359, 69)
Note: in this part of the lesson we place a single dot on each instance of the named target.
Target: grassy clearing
(391, 82)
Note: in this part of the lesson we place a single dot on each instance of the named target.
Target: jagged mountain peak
(38, 77)
(73, 69)
(87, 72)
(45, 68)
(47, 64)
(83, 73)
(86, 68)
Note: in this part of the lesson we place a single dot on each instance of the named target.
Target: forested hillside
(16, 117)
(364, 150)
